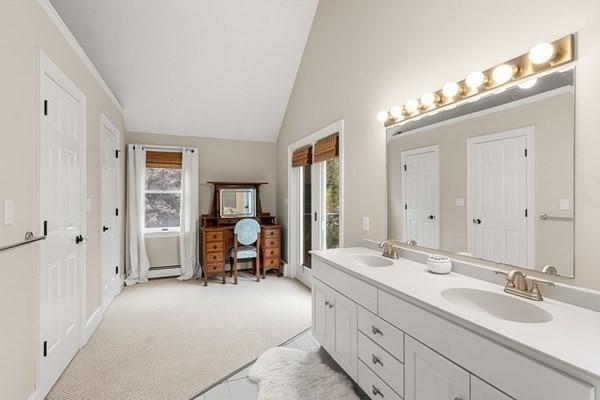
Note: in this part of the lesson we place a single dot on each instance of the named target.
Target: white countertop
(571, 338)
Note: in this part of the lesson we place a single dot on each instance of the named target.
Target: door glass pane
(332, 204)
(306, 216)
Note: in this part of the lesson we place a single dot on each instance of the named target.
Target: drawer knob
(376, 330)
(376, 392)
(329, 304)
(376, 360)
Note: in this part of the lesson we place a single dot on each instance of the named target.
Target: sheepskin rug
(292, 374)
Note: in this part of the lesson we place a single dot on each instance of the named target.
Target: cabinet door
(320, 311)
(345, 332)
(480, 390)
(430, 376)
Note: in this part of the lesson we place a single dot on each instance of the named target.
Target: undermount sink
(498, 305)
(369, 260)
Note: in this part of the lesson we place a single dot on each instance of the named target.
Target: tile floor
(239, 387)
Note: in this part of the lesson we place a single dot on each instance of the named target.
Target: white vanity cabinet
(431, 376)
(335, 325)
(395, 349)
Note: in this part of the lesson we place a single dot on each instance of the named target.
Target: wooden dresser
(217, 240)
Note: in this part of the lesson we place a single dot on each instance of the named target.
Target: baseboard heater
(164, 271)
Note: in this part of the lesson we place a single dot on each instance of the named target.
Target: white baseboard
(92, 323)
(164, 272)
(34, 396)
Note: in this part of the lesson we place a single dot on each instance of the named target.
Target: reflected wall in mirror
(238, 203)
(491, 179)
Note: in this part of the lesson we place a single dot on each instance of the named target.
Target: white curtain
(188, 236)
(138, 264)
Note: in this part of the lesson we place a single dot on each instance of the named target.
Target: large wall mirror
(491, 179)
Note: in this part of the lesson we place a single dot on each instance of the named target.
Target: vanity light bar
(541, 58)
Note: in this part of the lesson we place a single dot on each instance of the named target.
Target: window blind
(327, 148)
(163, 159)
(302, 156)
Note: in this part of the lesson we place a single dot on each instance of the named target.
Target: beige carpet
(169, 339)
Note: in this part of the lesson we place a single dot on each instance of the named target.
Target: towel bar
(29, 238)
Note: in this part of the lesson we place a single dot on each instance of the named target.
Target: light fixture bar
(519, 69)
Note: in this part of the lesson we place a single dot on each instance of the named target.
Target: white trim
(70, 39)
(529, 133)
(48, 68)
(435, 149)
(159, 234)
(92, 323)
(293, 234)
(164, 272)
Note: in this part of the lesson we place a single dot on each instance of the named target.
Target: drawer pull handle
(329, 304)
(376, 330)
(376, 360)
(376, 392)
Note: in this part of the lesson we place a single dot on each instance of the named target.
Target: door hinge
(316, 216)
(117, 270)
(117, 153)
(404, 167)
(45, 107)
(525, 213)
(117, 212)
(525, 152)
(45, 348)
(45, 228)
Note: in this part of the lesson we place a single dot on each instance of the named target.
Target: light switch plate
(9, 212)
(460, 202)
(564, 204)
(88, 205)
(366, 224)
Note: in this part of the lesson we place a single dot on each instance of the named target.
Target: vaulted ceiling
(208, 68)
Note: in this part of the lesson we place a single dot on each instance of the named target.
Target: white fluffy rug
(291, 374)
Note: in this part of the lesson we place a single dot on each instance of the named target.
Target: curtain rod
(166, 148)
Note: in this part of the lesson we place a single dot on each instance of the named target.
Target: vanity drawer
(268, 233)
(382, 333)
(214, 257)
(351, 287)
(373, 386)
(382, 363)
(271, 252)
(214, 236)
(214, 246)
(272, 262)
(214, 267)
(271, 243)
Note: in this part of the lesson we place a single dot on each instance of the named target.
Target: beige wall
(218, 160)
(364, 56)
(25, 28)
(552, 119)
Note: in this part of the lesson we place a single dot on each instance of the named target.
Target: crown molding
(62, 27)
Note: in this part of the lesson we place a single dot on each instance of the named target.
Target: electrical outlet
(366, 224)
(460, 202)
(564, 204)
(9, 212)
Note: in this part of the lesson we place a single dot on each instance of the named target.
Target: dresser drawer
(382, 333)
(373, 386)
(214, 246)
(271, 243)
(268, 233)
(272, 262)
(382, 363)
(272, 252)
(214, 257)
(214, 236)
(214, 267)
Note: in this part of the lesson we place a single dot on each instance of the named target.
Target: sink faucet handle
(535, 290)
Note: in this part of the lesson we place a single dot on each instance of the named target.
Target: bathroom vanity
(403, 333)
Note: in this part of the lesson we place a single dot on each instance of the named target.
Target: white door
(111, 282)
(344, 340)
(420, 178)
(497, 199)
(482, 391)
(62, 170)
(429, 376)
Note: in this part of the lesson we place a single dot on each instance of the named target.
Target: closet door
(430, 376)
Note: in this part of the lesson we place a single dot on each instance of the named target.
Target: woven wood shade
(302, 156)
(327, 148)
(163, 159)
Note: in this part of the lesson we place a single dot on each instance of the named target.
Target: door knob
(476, 221)
(105, 228)
(78, 239)
(431, 217)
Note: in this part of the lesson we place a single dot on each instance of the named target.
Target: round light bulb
(396, 111)
(503, 73)
(542, 53)
(475, 79)
(451, 89)
(428, 99)
(528, 84)
(411, 105)
(382, 116)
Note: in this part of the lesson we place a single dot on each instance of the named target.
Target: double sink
(495, 304)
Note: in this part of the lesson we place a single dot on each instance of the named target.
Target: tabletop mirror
(238, 203)
(492, 178)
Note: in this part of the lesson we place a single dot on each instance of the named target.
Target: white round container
(439, 264)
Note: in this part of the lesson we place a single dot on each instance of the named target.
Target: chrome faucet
(389, 250)
(517, 284)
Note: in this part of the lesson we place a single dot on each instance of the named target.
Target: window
(332, 204)
(163, 191)
(307, 215)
